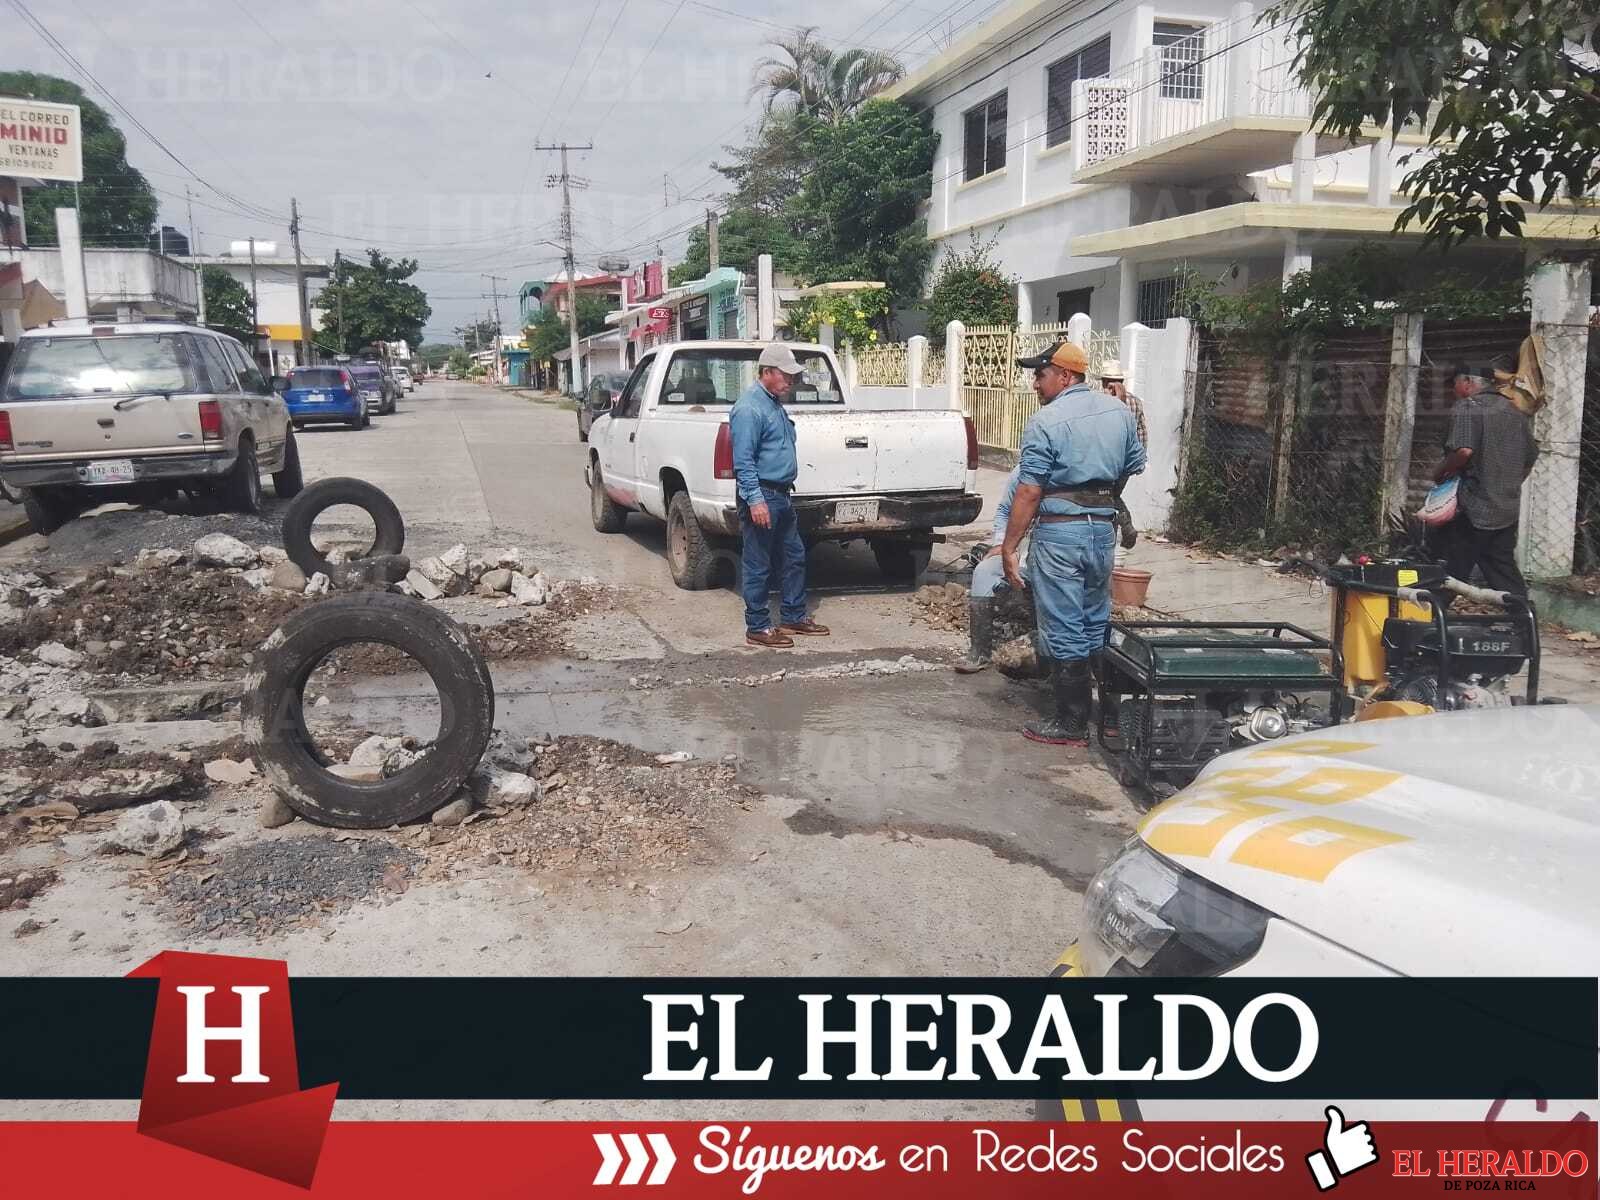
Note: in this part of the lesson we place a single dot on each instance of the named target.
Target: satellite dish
(614, 266)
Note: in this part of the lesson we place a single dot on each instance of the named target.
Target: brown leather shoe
(773, 639)
(804, 628)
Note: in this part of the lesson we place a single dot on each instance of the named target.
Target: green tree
(742, 235)
(856, 217)
(378, 305)
(228, 304)
(971, 288)
(769, 170)
(819, 81)
(1516, 90)
(480, 335)
(459, 360)
(435, 354)
(549, 333)
(117, 205)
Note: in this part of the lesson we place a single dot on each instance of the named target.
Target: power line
(598, 58)
(660, 33)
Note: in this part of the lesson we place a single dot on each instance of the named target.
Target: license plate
(116, 470)
(847, 511)
(317, 397)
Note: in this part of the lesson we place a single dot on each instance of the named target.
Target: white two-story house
(1102, 146)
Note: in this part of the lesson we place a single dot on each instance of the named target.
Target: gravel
(268, 886)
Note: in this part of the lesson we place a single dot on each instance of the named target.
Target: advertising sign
(40, 140)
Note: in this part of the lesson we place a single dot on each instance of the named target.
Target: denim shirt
(763, 443)
(1083, 436)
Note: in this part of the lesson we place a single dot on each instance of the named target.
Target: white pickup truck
(664, 448)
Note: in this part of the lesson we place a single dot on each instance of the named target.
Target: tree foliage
(1507, 93)
(818, 81)
(742, 236)
(970, 287)
(378, 304)
(549, 331)
(479, 335)
(435, 354)
(854, 315)
(228, 304)
(459, 360)
(117, 204)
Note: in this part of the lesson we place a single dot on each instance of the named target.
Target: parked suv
(141, 410)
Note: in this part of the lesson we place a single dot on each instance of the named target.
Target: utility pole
(712, 257)
(255, 307)
(494, 293)
(567, 183)
(194, 250)
(300, 283)
(338, 300)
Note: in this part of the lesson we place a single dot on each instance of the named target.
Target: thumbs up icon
(1348, 1148)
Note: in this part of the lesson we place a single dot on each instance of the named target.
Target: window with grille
(1157, 301)
(1183, 47)
(1092, 62)
(985, 137)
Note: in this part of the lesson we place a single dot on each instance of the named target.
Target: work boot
(1071, 692)
(980, 635)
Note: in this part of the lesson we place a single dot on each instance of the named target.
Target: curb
(14, 529)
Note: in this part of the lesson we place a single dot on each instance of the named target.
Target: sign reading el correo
(40, 140)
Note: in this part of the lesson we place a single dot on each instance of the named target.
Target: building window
(1183, 47)
(1156, 301)
(985, 143)
(1070, 304)
(1092, 62)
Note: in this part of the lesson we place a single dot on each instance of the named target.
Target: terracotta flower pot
(1129, 587)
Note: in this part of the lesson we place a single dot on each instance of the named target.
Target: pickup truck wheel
(691, 556)
(48, 510)
(241, 488)
(607, 515)
(902, 562)
(288, 482)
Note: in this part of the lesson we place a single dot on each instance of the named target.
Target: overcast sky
(410, 124)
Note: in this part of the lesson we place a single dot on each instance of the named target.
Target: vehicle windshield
(53, 368)
(316, 377)
(714, 376)
(369, 377)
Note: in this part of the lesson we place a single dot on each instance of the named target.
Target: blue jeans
(775, 550)
(1069, 573)
(986, 576)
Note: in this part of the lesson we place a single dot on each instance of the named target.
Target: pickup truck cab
(140, 410)
(664, 449)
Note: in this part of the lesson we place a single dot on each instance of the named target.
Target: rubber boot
(980, 635)
(1071, 693)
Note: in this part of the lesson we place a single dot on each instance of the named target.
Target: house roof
(1019, 16)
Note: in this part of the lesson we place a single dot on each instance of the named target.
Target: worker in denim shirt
(765, 465)
(1077, 453)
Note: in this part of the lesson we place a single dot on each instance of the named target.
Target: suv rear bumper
(898, 516)
(70, 471)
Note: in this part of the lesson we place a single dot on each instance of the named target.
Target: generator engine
(1483, 654)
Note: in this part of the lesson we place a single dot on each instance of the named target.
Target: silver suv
(141, 410)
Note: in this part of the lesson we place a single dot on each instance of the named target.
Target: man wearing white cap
(765, 465)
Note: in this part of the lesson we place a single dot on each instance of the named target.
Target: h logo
(247, 1033)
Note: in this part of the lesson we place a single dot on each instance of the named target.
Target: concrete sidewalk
(1197, 586)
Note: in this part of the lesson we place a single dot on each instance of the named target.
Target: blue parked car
(321, 395)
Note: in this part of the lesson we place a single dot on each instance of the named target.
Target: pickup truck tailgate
(879, 451)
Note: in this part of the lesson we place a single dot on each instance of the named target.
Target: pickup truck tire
(240, 489)
(289, 482)
(691, 556)
(607, 515)
(303, 511)
(48, 509)
(274, 709)
(902, 562)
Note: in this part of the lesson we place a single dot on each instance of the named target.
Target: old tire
(691, 556)
(289, 482)
(608, 516)
(240, 490)
(304, 510)
(274, 717)
(902, 562)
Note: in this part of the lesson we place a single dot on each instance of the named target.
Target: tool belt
(1094, 494)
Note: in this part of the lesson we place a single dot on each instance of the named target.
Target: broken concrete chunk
(400, 760)
(377, 571)
(527, 591)
(161, 559)
(116, 787)
(440, 576)
(454, 813)
(677, 756)
(351, 773)
(497, 580)
(227, 770)
(476, 570)
(317, 585)
(337, 556)
(272, 555)
(275, 811)
(491, 785)
(52, 810)
(509, 752)
(223, 550)
(456, 559)
(173, 702)
(373, 751)
(57, 655)
(151, 829)
(258, 577)
(287, 577)
(421, 586)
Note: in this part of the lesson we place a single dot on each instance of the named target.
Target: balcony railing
(1234, 74)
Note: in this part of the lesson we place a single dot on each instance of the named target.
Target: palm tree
(818, 82)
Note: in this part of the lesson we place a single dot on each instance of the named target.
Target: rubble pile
(58, 783)
(602, 809)
(505, 573)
